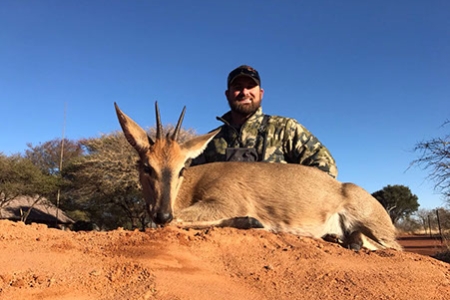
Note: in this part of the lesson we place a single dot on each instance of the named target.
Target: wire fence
(437, 224)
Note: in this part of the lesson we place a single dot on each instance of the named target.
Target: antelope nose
(163, 218)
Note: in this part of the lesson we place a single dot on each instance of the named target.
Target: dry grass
(443, 255)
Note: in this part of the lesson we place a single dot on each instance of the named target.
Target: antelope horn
(158, 122)
(177, 129)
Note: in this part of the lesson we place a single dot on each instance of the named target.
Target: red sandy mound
(41, 263)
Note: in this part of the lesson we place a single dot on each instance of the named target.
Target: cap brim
(244, 75)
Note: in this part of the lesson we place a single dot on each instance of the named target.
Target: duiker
(276, 197)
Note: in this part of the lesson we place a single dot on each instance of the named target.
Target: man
(250, 135)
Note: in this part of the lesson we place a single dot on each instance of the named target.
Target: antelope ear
(195, 146)
(135, 135)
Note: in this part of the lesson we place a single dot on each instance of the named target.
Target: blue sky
(369, 78)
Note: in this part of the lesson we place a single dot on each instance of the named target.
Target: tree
(398, 200)
(50, 157)
(20, 177)
(47, 156)
(104, 177)
(11, 181)
(426, 217)
(410, 224)
(435, 156)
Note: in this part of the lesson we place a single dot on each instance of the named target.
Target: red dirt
(41, 263)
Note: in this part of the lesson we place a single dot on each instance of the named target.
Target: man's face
(244, 95)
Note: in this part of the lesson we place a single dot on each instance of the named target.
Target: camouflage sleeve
(214, 151)
(199, 160)
(302, 147)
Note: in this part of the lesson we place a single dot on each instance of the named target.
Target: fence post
(439, 225)
(429, 226)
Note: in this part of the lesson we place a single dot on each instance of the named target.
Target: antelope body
(277, 197)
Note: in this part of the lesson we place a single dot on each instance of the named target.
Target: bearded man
(249, 135)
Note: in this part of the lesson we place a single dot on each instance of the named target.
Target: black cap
(244, 70)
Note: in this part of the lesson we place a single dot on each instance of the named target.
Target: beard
(244, 109)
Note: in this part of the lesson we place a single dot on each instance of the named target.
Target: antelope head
(162, 162)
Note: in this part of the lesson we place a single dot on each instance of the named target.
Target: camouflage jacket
(278, 139)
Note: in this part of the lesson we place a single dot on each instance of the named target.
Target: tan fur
(282, 197)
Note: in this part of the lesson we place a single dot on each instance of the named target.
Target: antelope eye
(148, 169)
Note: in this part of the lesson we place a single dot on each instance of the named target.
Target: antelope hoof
(242, 223)
(250, 222)
(332, 238)
(354, 241)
